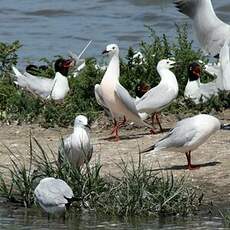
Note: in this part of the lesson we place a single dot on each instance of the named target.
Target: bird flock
(54, 195)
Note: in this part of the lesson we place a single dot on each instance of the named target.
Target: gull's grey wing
(126, 99)
(64, 188)
(156, 98)
(100, 100)
(38, 85)
(180, 136)
(89, 155)
(187, 7)
(53, 192)
(64, 149)
(98, 96)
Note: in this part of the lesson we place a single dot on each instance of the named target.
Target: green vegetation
(21, 106)
(139, 191)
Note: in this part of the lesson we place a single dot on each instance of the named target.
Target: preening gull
(53, 195)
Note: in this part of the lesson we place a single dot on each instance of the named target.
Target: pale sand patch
(213, 177)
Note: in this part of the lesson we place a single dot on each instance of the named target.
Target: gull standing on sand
(115, 96)
(56, 88)
(139, 90)
(163, 94)
(195, 90)
(210, 30)
(77, 147)
(188, 135)
(53, 195)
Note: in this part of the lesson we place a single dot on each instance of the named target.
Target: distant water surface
(47, 28)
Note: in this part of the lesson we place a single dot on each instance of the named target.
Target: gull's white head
(81, 120)
(111, 50)
(165, 64)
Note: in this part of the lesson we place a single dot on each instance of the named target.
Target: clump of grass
(140, 191)
(225, 215)
(19, 188)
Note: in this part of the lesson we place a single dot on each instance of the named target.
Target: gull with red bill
(55, 89)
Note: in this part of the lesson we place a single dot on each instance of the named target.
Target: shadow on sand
(182, 167)
(132, 136)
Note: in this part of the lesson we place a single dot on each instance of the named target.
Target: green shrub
(16, 104)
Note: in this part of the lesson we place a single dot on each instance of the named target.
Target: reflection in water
(21, 218)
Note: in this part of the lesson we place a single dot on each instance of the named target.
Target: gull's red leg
(158, 121)
(190, 166)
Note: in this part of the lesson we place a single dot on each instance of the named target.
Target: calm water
(22, 219)
(47, 28)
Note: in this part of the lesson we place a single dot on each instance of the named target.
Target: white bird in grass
(195, 90)
(163, 94)
(115, 96)
(210, 30)
(77, 147)
(188, 135)
(53, 195)
(56, 88)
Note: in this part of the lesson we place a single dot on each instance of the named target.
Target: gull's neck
(113, 69)
(78, 127)
(59, 75)
(167, 77)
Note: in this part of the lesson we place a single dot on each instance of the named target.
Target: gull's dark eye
(167, 62)
(113, 48)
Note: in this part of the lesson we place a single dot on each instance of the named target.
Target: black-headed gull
(210, 30)
(163, 94)
(195, 90)
(188, 135)
(56, 88)
(53, 195)
(115, 96)
(77, 147)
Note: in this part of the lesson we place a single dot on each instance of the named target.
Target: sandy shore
(214, 156)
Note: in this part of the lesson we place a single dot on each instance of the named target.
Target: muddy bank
(214, 156)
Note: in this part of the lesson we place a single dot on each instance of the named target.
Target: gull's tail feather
(16, 72)
(148, 149)
(18, 76)
(225, 126)
(187, 7)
